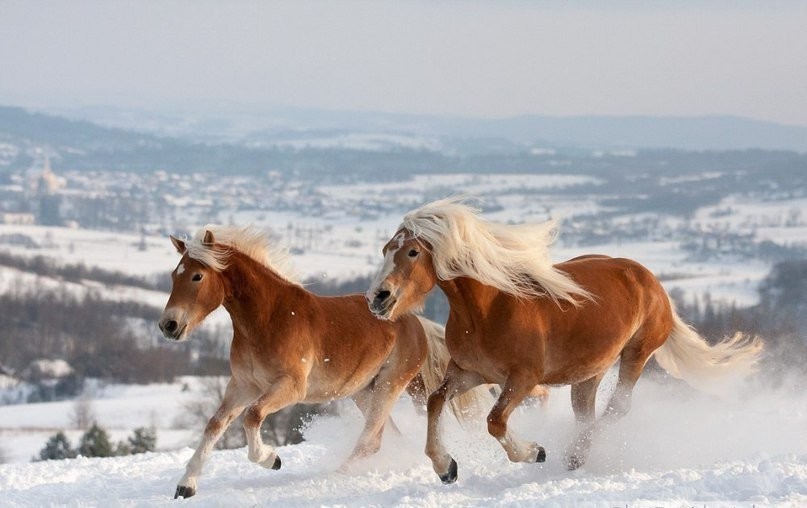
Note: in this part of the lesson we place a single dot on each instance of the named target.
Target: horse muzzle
(382, 303)
(171, 328)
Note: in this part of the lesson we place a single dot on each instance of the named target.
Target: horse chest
(471, 352)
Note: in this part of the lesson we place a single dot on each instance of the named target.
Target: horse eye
(413, 253)
(196, 277)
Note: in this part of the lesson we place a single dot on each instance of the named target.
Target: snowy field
(676, 448)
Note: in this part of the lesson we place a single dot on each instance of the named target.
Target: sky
(472, 58)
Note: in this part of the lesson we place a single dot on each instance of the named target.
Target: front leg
(284, 392)
(235, 398)
(517, 386)
(456, 382)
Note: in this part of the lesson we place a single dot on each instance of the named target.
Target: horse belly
(340, 377)
(326, 388)
(570, 361)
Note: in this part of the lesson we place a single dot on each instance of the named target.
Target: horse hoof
(574, 462)
(451, 476)
(541, 456)
(276, 464)
(184, 492)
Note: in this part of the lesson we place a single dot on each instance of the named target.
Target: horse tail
(470, 405)
(686, 355)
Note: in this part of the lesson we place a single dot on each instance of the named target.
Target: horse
(518, 320)
(290, 345)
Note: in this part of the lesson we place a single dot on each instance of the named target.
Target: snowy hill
(676, 448)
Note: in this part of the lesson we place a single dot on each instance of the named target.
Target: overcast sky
(475, 58)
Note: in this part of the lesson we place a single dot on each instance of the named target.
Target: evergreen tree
(95, 443)
(143, 440)
(123, 449)
(57, 448)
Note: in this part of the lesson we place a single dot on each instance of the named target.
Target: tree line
(780, 318)
(95, 442)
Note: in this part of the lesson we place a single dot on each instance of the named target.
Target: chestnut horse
(290, 345)
(519, 321)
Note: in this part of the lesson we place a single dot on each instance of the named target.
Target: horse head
(404, 279)
(197, 290)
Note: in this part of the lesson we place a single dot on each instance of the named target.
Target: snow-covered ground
(677, 447)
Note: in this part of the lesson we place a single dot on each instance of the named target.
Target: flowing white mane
(511, 258)
(249, 241)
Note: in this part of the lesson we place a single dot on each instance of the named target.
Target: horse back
(559, 342)
(630, 311)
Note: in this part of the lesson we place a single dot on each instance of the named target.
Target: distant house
(54, 379)
(18, 219)
(7, 378)
(44, 369)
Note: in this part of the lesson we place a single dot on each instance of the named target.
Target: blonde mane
(511, 258)
(249, 241)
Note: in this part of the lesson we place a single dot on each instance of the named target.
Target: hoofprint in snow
(676, 447)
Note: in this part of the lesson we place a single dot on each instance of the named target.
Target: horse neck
(468, 298)
(254, 291)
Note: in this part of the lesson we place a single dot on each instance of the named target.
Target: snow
(676, 447)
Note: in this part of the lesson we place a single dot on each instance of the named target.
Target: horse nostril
(171, 326)
(381, 296)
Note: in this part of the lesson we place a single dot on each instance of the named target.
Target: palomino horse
(290, 345)
(519, 321)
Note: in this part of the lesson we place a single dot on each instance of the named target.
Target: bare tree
(83, 414)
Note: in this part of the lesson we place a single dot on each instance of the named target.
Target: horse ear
(178, 244)
(208, 239)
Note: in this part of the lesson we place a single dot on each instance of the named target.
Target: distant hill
(687, 133)
(377, 146)
(278, 124)
(19, 124)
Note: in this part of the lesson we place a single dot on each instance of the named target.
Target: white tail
(686, 355)
(471, 405)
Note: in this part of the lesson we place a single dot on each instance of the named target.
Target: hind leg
(630, 368)
(364, 400)
(583, 403)
(417, 390)
(376, 402)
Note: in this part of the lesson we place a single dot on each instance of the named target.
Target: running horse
(290, 345)
(519, 321)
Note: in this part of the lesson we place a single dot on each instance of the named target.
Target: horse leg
(378, 400)
(515, 389)
(417, 390)
(630, 368)
(231, 406)
(583, 399)
(455, 382)
(363, 400)
(284, 392)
